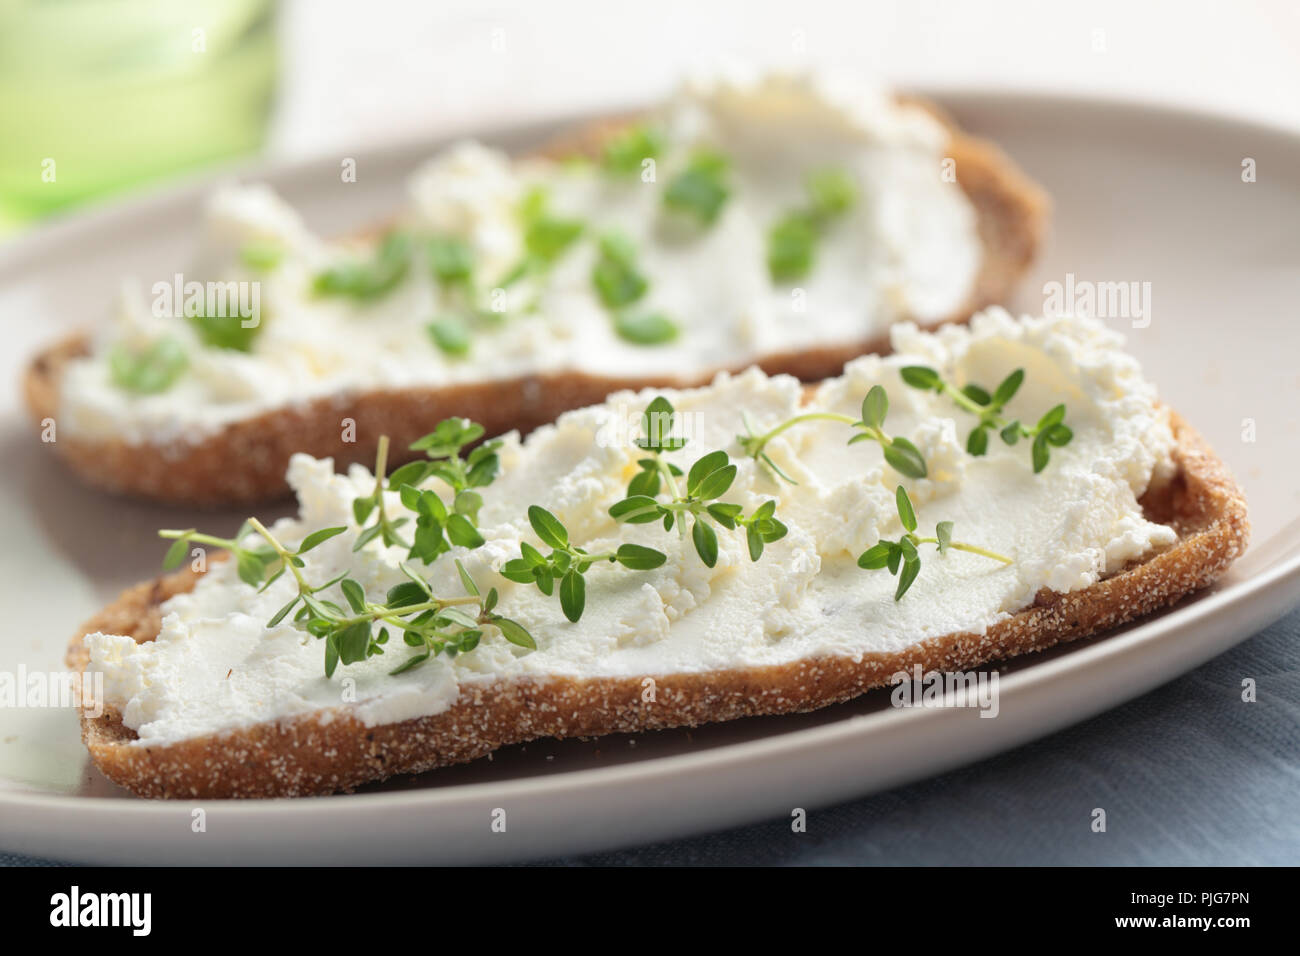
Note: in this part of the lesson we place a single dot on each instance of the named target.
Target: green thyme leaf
(943, 535)
(176, 553)
(250, 567)
(355, 594)
(1041, 454)
(920, 376)
(1059, 435)
(514, 633)
(548, 527)
(1007, 389)
(910, 570)
(319, 537)
(331, 655)
(875, 407)
(905, 458)
(573, 594)
(638, 557)
(657, 426)
(876, 556)
(461, 531)
(281, 614)
(1054, 416)
(905, 512)
(791, 246)
(353, 642)
(706, 543)
(716, 483)
(361, 508)
(704, 467)
(635, 509)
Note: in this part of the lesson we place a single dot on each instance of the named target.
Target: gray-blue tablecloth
(1188, 774)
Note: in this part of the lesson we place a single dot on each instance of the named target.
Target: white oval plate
(1141, 194)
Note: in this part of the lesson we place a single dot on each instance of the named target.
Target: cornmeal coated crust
(245, 461)
(307, 755)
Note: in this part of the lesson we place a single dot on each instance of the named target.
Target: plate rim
(1268, 593)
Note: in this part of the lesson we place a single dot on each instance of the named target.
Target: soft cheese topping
(905, 245)
(215, 665)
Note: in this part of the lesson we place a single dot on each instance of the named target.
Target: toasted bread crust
(309, 756)
(245, 461)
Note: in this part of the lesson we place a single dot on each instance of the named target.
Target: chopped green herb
(614, 275)
(792, 241)
(619, 284)
(546, 236)
(262, 255)
(832, 191)
(791, 247)
(368, 279)
(451, 259)
(450, 334)
(150, 370)
(227, 331)
(645, 329)
(625, 153)
(700, 190)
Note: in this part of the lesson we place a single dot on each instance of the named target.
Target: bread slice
(1011, 212)
(308, 755)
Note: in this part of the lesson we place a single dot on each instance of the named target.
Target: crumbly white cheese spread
(906, 247)
(215, 666)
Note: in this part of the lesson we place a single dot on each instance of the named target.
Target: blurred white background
(380, 70)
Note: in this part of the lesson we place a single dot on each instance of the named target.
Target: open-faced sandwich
(665, 558)
(784, 222)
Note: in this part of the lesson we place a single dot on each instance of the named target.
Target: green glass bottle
(97, 96)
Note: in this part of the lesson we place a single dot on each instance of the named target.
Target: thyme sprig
(709, 478)
(1050, 431)
(431, 624)
(903, 456)
(438, 527)
(384, 528)
(902, 557)
(547, 236)
(619, 284)
(792, 240)
(567, 563)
